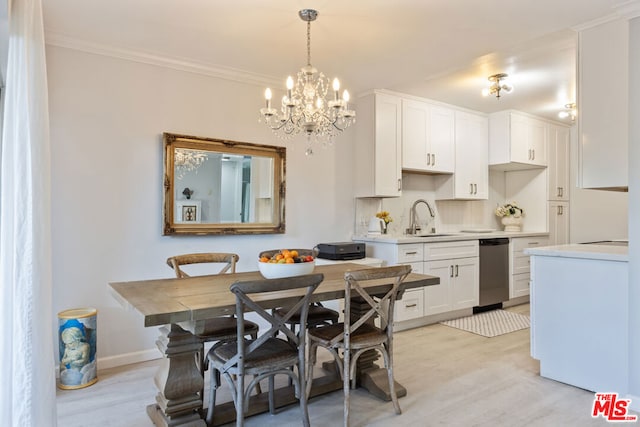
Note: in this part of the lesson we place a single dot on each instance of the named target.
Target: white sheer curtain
(27, 366)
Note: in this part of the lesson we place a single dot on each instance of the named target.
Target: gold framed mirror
(215, 186)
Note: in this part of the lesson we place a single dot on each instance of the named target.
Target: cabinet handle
(399, 184)
(451, 271)
(470, 188)
(561, 192)
(533, 154)
(533, 243)
(456, 270)
(530, 155)
(433, 157)
(411, 253)
(428, 159)
(561, 210)
(411, 305)
(475, 188)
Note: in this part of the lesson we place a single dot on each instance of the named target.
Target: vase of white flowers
(511, 215)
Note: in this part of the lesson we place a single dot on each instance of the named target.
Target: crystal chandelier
(188, 160)
(497, 84)
(305, 106)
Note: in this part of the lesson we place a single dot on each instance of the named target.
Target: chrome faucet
(413, 226)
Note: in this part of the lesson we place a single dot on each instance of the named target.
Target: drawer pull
(411, 253)
(411, 305)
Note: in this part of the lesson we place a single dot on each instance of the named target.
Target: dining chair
(218, 329)
(269, 354)
(359, 333)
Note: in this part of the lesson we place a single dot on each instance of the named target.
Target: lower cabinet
(458, 288)
(520, 264)
(457, 266)
(411, 306)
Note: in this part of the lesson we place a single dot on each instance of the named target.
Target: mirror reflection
(222, 187)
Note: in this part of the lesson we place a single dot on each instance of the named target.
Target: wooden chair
(221, 328)
(359, 334)
(268, 355)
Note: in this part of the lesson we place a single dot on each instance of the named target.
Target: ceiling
(439, 49)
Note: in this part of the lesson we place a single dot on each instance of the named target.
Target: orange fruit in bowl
(294, 254)
(289, 260)
(264, 259)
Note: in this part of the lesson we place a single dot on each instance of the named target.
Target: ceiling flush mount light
(497, 84)
(305, 107)
(569, 111)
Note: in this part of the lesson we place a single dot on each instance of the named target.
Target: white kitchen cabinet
(603, 117)
(410, 306)
(470, 181)
(378, 150)
(437, 297)
(558, 223)
(427, 137)
(558, 168)
(516, 141)
(520, 264)
(457, 265)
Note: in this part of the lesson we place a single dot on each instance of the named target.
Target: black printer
(342, 251)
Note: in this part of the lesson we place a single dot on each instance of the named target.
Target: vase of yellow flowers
(386, 219)
(511, 215)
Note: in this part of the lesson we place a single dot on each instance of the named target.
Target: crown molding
(180, 64)
(627, 8)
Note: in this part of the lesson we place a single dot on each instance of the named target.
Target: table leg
(178, 402)
(368, 374)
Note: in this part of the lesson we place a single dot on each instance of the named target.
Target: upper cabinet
(603, 86)
(427, 137)
(558, 138)
(378, 146)
(516, 141)
(471, 178)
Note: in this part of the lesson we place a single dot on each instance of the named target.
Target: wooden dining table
(180, 307)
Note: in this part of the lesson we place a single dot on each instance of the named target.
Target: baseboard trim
(128, 358)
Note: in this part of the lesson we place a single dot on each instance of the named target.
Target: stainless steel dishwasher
(494, 273)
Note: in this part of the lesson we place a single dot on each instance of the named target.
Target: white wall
(595, 214)
(107, 119)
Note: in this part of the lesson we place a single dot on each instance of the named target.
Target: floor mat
(491, 323)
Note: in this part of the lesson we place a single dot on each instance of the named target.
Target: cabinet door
(537, 137)
(472, 156)
(603, 109)
(437, 298)
(415, 142)
(519, 144)
(388, 167)
(465, 286)
(441, 139)
(558, 161)
(558, 223)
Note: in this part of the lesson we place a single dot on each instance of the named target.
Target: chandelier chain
(309, 43)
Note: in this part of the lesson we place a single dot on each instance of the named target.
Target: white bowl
(277, 271)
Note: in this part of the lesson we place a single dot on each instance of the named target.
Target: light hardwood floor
(453, 378)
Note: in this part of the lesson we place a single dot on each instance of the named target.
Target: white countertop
(445, 237)
(586, 251)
